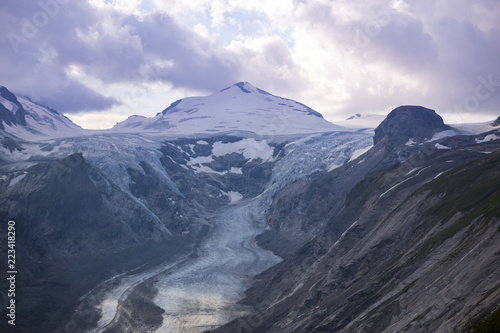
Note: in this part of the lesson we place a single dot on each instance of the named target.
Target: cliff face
(415, 248)
(409, 122)
(11, 111)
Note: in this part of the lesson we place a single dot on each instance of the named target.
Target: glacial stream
(201, 293)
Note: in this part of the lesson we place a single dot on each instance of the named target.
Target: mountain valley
(247, 212)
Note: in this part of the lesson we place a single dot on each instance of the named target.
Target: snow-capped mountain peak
(240, 107)
(25, 119)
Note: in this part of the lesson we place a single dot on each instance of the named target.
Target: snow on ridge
(43, 123)
(8, 105)
(240, 107)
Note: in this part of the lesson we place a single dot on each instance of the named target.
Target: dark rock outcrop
(496, 122)
(7, 116)
(409, 122)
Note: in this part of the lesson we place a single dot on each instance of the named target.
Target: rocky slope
(411, 247)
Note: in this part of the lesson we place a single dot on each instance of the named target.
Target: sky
(100, 61)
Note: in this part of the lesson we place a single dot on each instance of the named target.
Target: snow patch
(203, 168)
(410, 143)
(489, 137)
(440, 146)
(16, 180)
(359, 152)
(237, 171)
(443, 134)
(250, 148)
(200, 160)
(412, 171)
(333, 167)
(234, 196)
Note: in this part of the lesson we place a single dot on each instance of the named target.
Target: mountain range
(247, 212)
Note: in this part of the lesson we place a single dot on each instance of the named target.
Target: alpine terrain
(243, 211)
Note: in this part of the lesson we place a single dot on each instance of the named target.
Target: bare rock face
(496, 122)
(419, 254)
(409, 122)
(11, 111)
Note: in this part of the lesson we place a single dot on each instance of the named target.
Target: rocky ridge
(413, 245)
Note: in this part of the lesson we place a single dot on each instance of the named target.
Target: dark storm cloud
(44, 38)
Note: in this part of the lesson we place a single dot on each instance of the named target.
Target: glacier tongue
(202, 292)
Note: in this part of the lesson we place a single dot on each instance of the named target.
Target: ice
(489, 137)
(119, 288)
(475, 128)
(250, 148)
(203, 293)
(200, 292)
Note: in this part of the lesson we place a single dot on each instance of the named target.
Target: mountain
(406, 123)
(11, 111)
(24, 119)
(244, 211)
(412, 245)
(240, 107)
(93, 206)
(45, 122)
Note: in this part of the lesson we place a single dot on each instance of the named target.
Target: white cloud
(339, 57)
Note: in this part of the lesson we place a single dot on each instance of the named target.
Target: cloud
(338, 57)
(106, 46)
